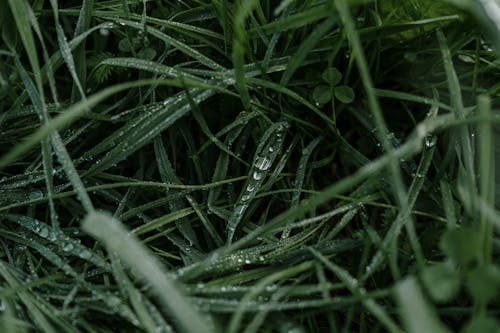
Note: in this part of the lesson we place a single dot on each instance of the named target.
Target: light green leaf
(322, 94)
(344, 94)
(332, 76)
(442, 281)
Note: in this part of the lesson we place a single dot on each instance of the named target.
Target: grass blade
(116, 238)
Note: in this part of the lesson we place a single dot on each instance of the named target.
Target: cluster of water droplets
(69, 245)
(264, 158)
(430, 139)
(21, 181)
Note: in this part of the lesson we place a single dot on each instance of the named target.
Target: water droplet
(67, 247)
(43, 232)
(245, 197)
(486, 46)
(271, 287)
(262, 163)
(257, 175)
(53, 236)
(239, 209)
(104, 32)
(250, 187)
(85, 254)
(466, 58)
(430, 141)
(36, 194)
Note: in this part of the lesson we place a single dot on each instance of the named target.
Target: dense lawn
(249, 166)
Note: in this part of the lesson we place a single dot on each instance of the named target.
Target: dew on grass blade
(44, 232)
(104, 32)
(36, 194)
(269, 148)
(430, 141)
(262, 163)
(66, 247)
(257, 175)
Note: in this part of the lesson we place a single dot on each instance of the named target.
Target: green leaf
(461, 245)
(332, 76)
(127, 47)
(442, 281)
(344, 94)
(147, 54)
(20, 12)
(322, 94)
(484, 283)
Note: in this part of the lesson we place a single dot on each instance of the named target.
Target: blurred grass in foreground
(249, 166)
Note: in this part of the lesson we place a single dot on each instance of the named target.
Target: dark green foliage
(249, 166)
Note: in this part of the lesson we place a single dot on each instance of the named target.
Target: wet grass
(249, 166)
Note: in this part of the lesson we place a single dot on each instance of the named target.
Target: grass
(249, 166)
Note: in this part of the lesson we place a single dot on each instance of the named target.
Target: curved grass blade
(167, 174)
(243, 10)
(203, 59)
(65, 49)
(143, 130)
(353, 285)
(70, 115)
(82, 25)
(416, 312)
(20, 13)
(117, 239)
(68, 245)
(300, 175)
(269, 148)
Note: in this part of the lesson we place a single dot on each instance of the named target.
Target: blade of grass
(417, 314)
(113, 234)
(353, 286)
(382, 131)
(487, 175)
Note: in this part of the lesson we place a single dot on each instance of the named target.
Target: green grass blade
(116, 238)
(417, 314)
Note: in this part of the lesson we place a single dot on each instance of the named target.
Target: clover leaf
(323, 93)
